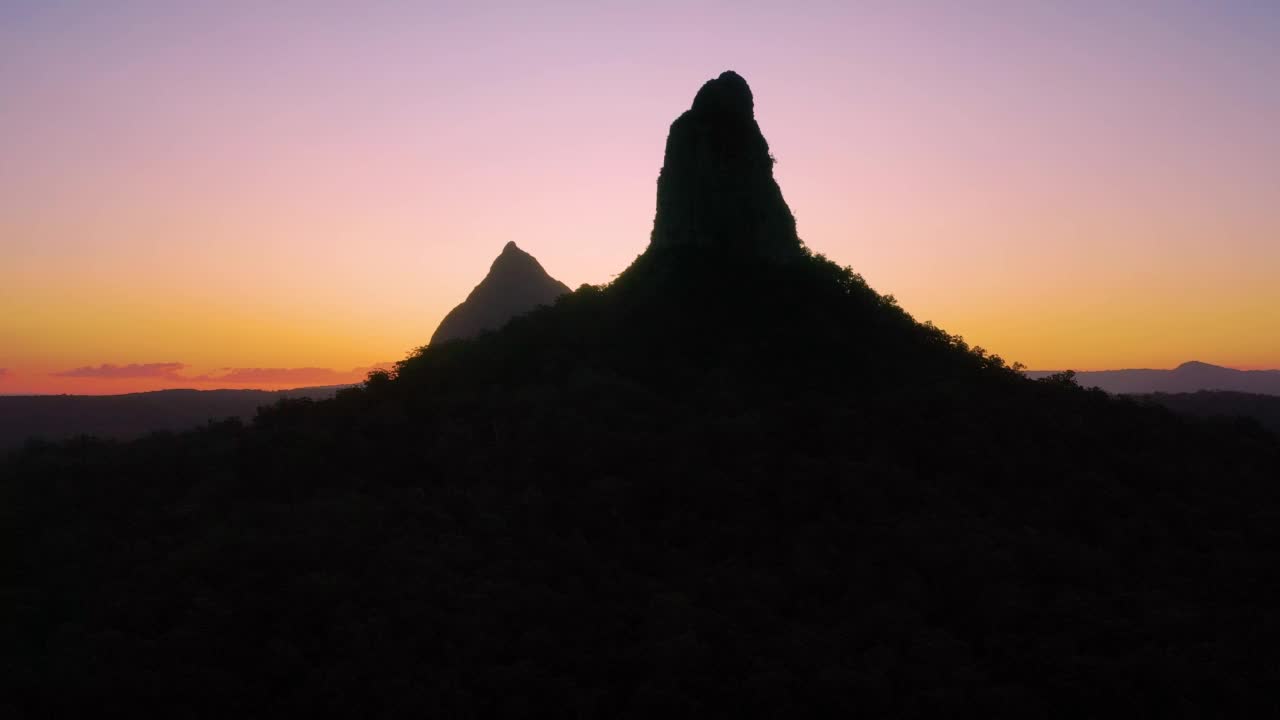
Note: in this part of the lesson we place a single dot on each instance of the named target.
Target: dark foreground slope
(731, 481)
(716, 507)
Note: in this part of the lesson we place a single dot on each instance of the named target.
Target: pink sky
(266, 192)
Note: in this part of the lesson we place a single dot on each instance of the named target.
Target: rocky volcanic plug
(516, 284)
(716, 187)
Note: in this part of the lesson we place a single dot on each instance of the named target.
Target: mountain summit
(516, 284)
(716, 187)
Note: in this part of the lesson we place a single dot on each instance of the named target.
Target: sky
(249, 194)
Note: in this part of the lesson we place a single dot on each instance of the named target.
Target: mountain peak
(512, 257)
(1197, 365)
(716, 188)
(516, 283)
(729, 93)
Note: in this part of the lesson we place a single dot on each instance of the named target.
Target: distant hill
(120, 417)
(516, 284)
(1187, 377)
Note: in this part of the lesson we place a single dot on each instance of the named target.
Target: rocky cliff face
(716, 187)
(516, 284)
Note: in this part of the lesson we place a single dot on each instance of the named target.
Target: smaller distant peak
(513, 259)
(512, 255)
(516, 283)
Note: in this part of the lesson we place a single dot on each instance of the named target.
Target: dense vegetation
(717, 484)
(1222, 405)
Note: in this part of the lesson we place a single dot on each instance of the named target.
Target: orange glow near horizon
(1087, 187)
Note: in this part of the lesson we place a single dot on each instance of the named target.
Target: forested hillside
(735, 480)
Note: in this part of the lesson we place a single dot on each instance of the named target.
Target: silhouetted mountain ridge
(515, 284)
(723, 484)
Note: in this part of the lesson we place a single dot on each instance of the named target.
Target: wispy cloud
(168, 370)
(228, 376)
(281, 376)
(3, 372)
(272, 376)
